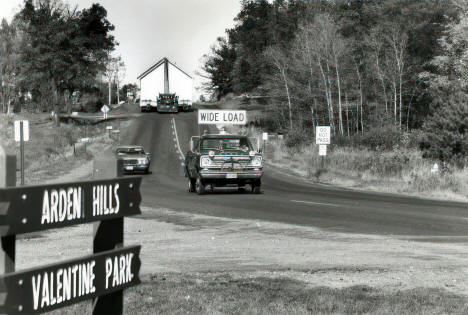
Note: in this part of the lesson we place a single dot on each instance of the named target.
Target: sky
(148, 30)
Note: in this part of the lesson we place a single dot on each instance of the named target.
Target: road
(286, 198)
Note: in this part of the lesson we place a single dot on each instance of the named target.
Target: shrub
(297, 137)
(445, 131)
(386, 138)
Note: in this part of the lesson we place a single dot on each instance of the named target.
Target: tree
(62, 49)
(9, 40)
(115, 68)
(280, 61)
(218, 67)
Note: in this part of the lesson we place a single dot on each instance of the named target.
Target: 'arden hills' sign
(36, 208)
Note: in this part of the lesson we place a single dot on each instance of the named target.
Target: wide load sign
(54, 286)
(222, 117)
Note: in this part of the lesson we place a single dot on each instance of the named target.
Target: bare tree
(397, 39)
(114, 70)
(280, 61)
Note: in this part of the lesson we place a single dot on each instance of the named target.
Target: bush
(297, 137)
(445, 132)
(387, 138)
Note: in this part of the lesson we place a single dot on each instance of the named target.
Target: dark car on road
(135, 159)
(223, 160)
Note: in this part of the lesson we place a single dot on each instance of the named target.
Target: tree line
(354, 65)
(50, 51)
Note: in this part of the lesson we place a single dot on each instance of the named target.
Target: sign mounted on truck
(222, 117)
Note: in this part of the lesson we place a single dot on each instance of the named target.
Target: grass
(223, 294)
(53, 151)
(402, 170)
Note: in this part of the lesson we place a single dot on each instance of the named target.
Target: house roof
(156, 65)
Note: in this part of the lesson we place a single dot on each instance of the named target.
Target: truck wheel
(191, 185)
(256, 187)
(199, 186)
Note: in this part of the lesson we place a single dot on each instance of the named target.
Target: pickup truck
(220, 160)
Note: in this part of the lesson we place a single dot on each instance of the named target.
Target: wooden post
(7, 179)
(107, 235)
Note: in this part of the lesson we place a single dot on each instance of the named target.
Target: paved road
(287, 199)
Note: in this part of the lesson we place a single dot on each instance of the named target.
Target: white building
(165, 77)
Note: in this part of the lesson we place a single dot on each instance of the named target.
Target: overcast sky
(148, 30)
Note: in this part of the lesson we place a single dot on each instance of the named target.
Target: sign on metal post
(21, 125)
(54, 286)
(22, 135)
(104, 110)
(265, 136)
(322, 135)
(322, 149)
(222, 117)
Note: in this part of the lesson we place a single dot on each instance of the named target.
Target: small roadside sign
(104, 109)
(25, 125)
(265, 136)
(223, 117)
(322, 149)
(84, 140)
(74, 113)
(109, 127)
(322, 135)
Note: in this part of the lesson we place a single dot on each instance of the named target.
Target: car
(222, 160)
(135, 159)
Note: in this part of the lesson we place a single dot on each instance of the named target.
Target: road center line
(315, 203)
(177, 138)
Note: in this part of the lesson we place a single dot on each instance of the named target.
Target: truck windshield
(130, 151)
(241, 144)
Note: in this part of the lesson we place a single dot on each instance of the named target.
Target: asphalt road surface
(286, 198)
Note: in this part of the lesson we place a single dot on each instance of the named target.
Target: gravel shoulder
(187, 243)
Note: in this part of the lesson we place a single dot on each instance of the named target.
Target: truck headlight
(142, 161)
(257, 161)
(205, 161)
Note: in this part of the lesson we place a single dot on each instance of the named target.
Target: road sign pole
(7, 179)
(22, 151)
(109, 234)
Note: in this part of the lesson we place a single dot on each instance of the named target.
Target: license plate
(129, 168)
(231, 175)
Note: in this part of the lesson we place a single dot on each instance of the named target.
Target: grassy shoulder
(55, 153)
(402, 170)
(223, 294)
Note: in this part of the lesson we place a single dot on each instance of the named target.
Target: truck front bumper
(231, 175)
(163, 109)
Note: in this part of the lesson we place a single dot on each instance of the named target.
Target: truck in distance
(221, 160)
(167, 103)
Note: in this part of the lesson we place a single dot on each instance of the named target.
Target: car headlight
(142, 161)
(257, 161)
(205, 161)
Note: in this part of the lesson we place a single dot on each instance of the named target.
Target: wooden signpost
(101, 276)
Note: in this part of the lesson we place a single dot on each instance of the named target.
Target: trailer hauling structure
(162, 79)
